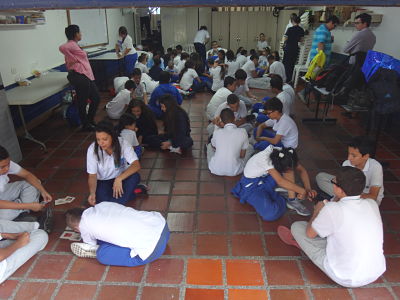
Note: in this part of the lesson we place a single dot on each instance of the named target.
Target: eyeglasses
(335, 183)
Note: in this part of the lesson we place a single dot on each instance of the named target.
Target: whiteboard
(93, 25)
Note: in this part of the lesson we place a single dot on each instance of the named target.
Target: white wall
(36, 47)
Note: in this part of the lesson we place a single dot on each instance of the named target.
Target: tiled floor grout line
(265, 278)
(100, 282)
(142, 282)
(224, 279)
(63, 278)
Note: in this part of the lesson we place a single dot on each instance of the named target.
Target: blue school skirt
(260, 193)
(129, 62)
(261, 118)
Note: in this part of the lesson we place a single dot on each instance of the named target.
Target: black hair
(123, 30)
(157, 61)
(351, 180)
(179, 47)
(273, 104)
(239, 50)
(136, 72)
(243, 52)
(271, 57)
(171, 113)
(276, 82)
(296, 20)
(262, 34)
(240, 74)
(333, 19)
(74, 215)
(169, 50)
(125, 120)
(188, 65)
(273, 75)
(107, 127)
(276, 55)
(71, 31)
(365, 18)
(292, 16)
(174, 52)
(203, 27)
(284, 159)
(165, 77)
(253, 57)
(227, 116)
(3, 153)
(229, 80)
(364, 145)
(184, 56)
(230, 55)
(147, 113)
(142, 57)
(211, 61)
(232, 99)
(222, 52)
(214, 42)
(130, 84)
(253, 52)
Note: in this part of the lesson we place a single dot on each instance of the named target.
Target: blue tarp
(376, 60)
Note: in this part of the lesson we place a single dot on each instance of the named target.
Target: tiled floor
(219, 249)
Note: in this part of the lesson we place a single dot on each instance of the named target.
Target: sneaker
(298, 207)
(281, 190)
(84, 250)
(141, 189)
(46, 220)
(286, 236)
(26, 217)
(176, 150)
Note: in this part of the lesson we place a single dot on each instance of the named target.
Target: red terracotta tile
(212, 188)
(204, 272)
(117, 292)
(152, 202)
(392, 273)
(243, 272)
(147, 162)
(124, 274)
(76, 291)
(165, 271)
(7, 288)
(180, 221)
(144, 174)
(186, 175)
(204, 294)
(234, 205)
(215, 222)
(389, 204)
(212, 244)
(206, 175)
(289, 295)
(159, 187)
(247, 245)
(283, 272)
(164, 163)
(21, 272)
(247, 294)
(244, 223)
(189, 163)
(180, 244)
(379, 293)
(331, 294)
(391, 243)
(35, 291)
(63, 245)
(182, 203)
(212, 203)
(396, 290)
(50, 266)
(162, 174)
(276, 247)
(268, 226)
(86, 269)
(314, 275)
(393, 188)
(184, 188)
(392, 221)
(159, 293)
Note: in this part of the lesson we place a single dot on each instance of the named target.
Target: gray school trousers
(37, 242)
(324, 183)
(20, 192)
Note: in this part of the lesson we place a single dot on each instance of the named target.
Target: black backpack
(386, 92)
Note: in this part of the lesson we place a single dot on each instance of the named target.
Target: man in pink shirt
(80, 76)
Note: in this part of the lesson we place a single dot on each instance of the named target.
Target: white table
(106, 56)
(40, 89)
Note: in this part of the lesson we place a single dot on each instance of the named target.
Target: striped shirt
(321, 35)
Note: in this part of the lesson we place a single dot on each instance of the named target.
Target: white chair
(303, 60)
(189, 48)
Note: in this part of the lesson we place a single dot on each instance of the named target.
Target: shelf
(19, 25)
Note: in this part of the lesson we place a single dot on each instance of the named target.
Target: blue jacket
(161, 90)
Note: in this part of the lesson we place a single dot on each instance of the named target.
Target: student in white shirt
(113, 167)
(242, 88)
(262, 43)
(250, 66)
(126, 129)
(344, 238)
(360, 150)
(276, 67)
(117, 235)
(116, 107)
(200, 40)
(229, 149)
(220, 97)
(178, 53)
(231, 63)
(283, 95)
(144, 84)
(21, 196)
(125, 50)
(189, 79)
(142, 63)
(217, 73)
(263, 172)
(181, 64)
(241, 57)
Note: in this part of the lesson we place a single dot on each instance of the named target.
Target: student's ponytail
(284, 159)
(223, 71)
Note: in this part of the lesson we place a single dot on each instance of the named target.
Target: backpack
(386, 91)
(72, 115)
(330, 76)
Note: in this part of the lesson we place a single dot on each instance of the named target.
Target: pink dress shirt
(76, 59)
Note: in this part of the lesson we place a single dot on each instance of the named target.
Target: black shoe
(141, 189)
(26, 217)
(46, 221)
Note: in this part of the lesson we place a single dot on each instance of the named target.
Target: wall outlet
(13, 70)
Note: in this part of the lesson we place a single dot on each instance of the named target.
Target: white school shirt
(263, 61)
(13, 169)
(187, 79)
(287, 128)
(241, 59)
(233, 66)
(228, 142)
(105, 168)
(142, 67)
(373, 174)
(248, 67)
(127, 44)
(217, 99)
(116, 107)
(177, 59)
(287, 102)
(288, 88)
(149, 85)
(180, 66)
(201, 36)
(278, 68)
(259, 164)
(129, 136)
(354, 250)
(218, 83)
(119, 83)
(261, 45)
(243, 89)
(122, 226)
(240, 114)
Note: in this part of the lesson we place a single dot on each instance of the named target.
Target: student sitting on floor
(239, 109)
(276, 67)
(182, 62)
(113, 167)
(231, 63)
(285, 131)
(164, 88)
(19, 241)
(213, 52)
(360, 150)
(156, 69)
(126, 129)
(229, 149)
(142, 63)
(177, 54)
(176, 127)
(221, 59)
(173, 71)
(189, 79)
(263, 172)
(117, 235)
(19, 197)
(217, 73)
(116, 107)
(136, 77)
(344, 238)
(241, 57)
(250, 67)
(220, 97)
(242, 88)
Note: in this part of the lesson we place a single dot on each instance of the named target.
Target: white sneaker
(84, 250)
(175, 150)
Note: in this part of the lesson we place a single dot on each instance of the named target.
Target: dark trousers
(201, 50)
(154, 141)
(289, 60)
(145, 22)
(104, 190)
(86, 89)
